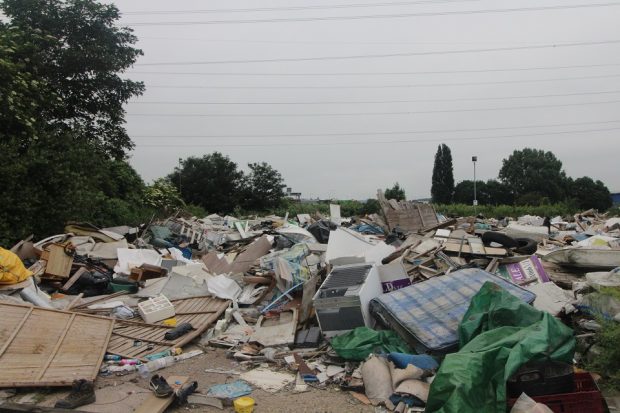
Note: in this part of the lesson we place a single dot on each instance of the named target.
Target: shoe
(160, 386)
(82, 392)
(185, 391)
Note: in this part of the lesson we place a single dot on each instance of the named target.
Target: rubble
(331, 303)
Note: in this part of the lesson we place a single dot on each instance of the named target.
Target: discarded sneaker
(160, 386)
(185, 391)
(82, 392)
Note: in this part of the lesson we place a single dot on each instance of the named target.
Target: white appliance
(341, 303)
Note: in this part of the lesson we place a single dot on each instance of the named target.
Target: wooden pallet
(41, 347)
(136, 339)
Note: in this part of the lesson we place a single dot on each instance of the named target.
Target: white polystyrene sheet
(347, 247)
(596, 241)
(334, 212)
(223, 287)
(130, 258)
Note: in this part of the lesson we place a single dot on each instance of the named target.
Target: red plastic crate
(586, 398)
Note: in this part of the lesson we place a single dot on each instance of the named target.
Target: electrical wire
(376, 16)
(380, 142)
(286, 8)
(497, 82)
(402, 113)
(409, 132)
(358, 102)
(384, 55)
(428, 72)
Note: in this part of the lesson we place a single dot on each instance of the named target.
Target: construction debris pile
(406, 309)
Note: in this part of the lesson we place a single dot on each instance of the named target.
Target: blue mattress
(427, 315)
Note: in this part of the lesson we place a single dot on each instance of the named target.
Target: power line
(402, 113)
(428, 72)
(286, 8)
(334, 41)
(376, 16)
(350, 102)
(381, 142)
(318, 135)
(382, 55)
(497, 82)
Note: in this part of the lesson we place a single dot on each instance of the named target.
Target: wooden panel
(58, 263)
(41, 347)
(135, 339)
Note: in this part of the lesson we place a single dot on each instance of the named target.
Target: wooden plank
(31, 408)
(59, 263)
(73, 279)
(56, 347)
(73, 302)
(477, 247)
(16, 331)
(154, 404)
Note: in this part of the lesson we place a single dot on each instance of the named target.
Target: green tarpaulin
(498, 334)
(357, 344)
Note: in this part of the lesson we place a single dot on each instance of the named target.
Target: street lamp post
(474, 159)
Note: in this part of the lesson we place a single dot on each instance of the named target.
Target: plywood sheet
(41, 347)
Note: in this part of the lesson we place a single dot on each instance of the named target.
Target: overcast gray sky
(426, 73)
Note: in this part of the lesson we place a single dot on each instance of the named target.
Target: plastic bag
(525, 404)
(12, 270)
(357, 344)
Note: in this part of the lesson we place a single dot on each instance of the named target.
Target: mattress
(427, 315)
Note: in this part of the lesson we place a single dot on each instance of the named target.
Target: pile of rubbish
(406, 309)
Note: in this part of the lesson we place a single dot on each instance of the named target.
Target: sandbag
(12, 270)
(377, 381)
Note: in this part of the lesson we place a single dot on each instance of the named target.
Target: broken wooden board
(59, 262)
(41, 347)
(466, 249)
(476, 245)
(276, 331)
(154, 404)
(136, 339)
(407, 215)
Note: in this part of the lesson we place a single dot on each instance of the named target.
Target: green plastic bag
(498, 334)
(357, 344)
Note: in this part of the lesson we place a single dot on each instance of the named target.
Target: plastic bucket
(244, 405)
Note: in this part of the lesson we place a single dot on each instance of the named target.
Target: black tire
(499, 238)
(526, 246)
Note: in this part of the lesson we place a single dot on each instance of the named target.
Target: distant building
(615, 198)
(295, 196)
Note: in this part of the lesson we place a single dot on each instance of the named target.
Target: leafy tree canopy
(588, 193)
(395, 192)
(530, 171)
(211, 181)
(263, 188)
(61, 117)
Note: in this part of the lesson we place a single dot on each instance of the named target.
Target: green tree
(61, 117)
(395, 192)
(76, 53)
(533, 173)
(211, 181)
(442, 185)
(263, 188)
(589, 193)
(464, 192)
(163, 196)
(498, 193)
